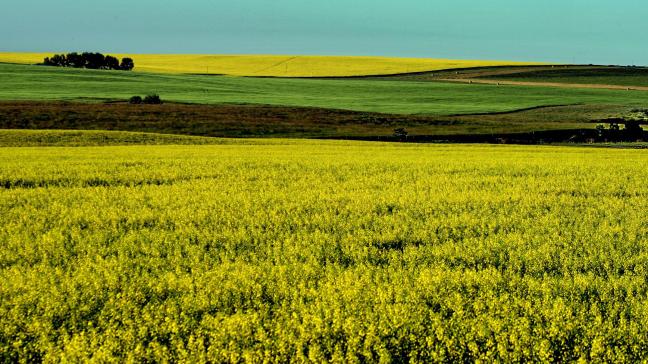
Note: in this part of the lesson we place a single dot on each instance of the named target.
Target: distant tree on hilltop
(111, 63)
(94, 60)
(75, 60)
(89, 60)
(56, 60)
(127, 64)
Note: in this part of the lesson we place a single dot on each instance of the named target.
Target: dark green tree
(75, 60)
(152, 99)
(111, 63)
(127, 64)
(94, 61)
(136, 100)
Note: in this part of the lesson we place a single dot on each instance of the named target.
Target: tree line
(90, 60)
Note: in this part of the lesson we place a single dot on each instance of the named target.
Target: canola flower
(285, 250)
(279, 66)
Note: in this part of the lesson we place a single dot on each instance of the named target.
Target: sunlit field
(286, 250)
(277, 66)
(20, 82)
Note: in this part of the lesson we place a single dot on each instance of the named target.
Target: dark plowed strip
(280, 121)
(205, 120)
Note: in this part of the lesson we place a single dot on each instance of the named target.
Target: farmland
(622, 76)
(277, 66)
(397, 97)
(138, 233)
(281, 121)
(426, 104)
(323, 250)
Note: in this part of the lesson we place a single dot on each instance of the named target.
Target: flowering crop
(323, 251)
(279, 66)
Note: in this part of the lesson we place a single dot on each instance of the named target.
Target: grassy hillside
(276, 66)
(36, 138)
(48, 83)
(322, 251)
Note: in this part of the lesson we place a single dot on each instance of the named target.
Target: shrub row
(149, 99)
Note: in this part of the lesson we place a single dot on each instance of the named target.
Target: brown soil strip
(493, 72)
(196, 119)
(281, 121)
(545, 84)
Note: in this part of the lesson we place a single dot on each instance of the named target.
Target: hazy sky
(583, 31)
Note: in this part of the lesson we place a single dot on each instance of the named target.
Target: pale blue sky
(583, 31)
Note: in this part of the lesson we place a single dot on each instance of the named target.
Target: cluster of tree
(90, 60)
(149, 99)
(631, 122)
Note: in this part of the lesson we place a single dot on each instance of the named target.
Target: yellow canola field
(284, 251)
(278, 66)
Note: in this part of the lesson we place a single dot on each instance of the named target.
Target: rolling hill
(397, 97)
(276, 65)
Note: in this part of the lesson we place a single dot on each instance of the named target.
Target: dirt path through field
(544, 84)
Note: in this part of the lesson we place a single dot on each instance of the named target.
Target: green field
(324, 251)
(400, 97)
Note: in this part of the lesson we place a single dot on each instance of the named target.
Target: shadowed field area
(619, 76)
(602, 77)
(281, 121)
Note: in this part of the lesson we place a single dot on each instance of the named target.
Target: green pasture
(45, 83)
